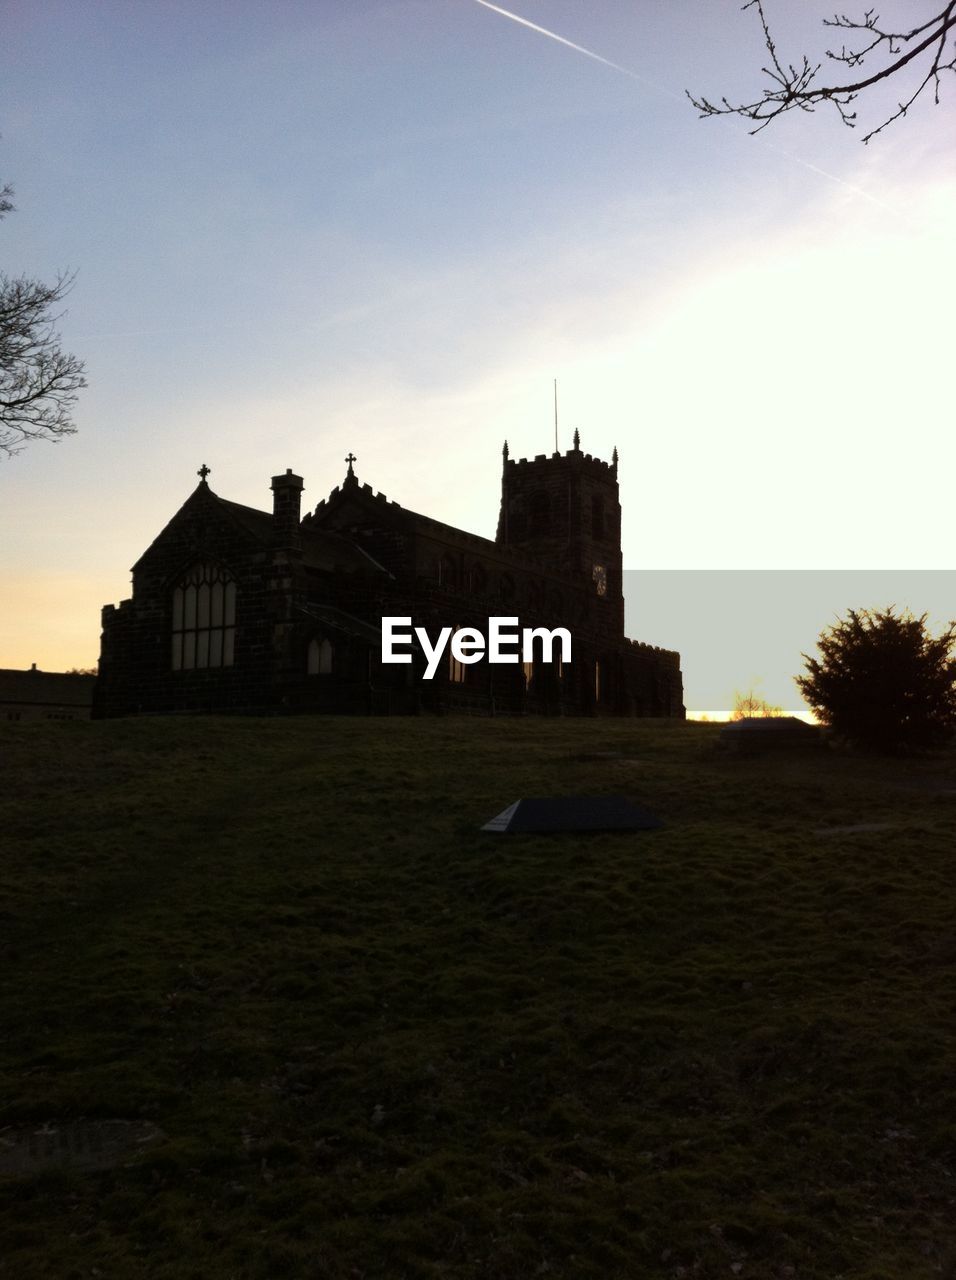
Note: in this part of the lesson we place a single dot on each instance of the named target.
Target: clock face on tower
(599, 575)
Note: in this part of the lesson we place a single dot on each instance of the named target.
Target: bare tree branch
(38, 381)
(929, 47)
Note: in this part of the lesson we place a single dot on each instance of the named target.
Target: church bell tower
(565, 511)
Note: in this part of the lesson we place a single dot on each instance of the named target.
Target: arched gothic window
(598, 523)
(319, 662)
(204, 619)
(540, 512)
(517, 518)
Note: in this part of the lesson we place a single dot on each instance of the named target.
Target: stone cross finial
(203, 472)
(350, 459)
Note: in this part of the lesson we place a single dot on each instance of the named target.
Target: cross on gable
(203, 472)
(350, 459)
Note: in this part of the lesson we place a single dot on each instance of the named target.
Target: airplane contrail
(841, 182)
(634, 75)
(569, 44)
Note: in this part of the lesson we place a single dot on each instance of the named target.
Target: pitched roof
(321, 548)
(389, 512)
(326, 549)
(258, 523)
(54, 688)
(344, 623)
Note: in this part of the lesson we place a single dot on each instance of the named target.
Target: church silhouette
(234, 609)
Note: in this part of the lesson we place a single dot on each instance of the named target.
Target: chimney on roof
(286, 504)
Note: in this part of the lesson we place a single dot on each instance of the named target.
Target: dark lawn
(382, 1043)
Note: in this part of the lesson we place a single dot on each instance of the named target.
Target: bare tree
(38, 381)
(928, 50)
(750, 704)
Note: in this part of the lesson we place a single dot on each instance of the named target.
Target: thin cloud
(841, 182)
(634, 75)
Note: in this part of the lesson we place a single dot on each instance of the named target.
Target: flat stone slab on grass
(929, 786)
(756, 734)
(572, 813)
(75, 1144)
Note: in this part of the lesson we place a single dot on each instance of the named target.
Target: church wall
(564, 509)
(136, 672)
(655, 677)
(436, 575)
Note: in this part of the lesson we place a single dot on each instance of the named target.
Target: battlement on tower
(573, 458)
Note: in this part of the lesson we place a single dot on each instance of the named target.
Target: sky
(385, 226)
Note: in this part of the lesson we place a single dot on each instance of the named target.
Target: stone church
(234, 609)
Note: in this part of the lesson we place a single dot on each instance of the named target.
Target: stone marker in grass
(753, 735)
(74, 1144)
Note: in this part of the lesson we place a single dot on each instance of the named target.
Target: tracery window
(319, 660)
(456, 669)
(204, 619)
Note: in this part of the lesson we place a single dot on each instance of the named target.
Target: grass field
(381, 1043)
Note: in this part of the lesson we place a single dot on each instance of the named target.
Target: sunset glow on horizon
(387, 229)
